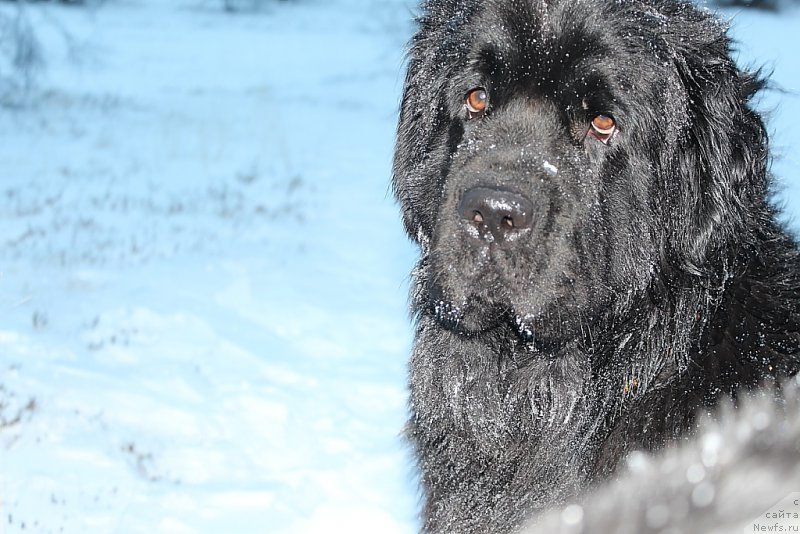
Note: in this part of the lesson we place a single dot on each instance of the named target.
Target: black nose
(497, 214)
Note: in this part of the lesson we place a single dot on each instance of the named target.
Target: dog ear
(722, 156)
(421, 147)
(418, 121)
(426, 135)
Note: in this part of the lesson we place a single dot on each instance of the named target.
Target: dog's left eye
(603, 128)
(476, 102)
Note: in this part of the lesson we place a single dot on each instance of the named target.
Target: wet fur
(657, 283)
(738, 470)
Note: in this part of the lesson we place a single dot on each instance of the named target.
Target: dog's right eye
(476, 102)
(603, 128)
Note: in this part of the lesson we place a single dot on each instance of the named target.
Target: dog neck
(486, 410)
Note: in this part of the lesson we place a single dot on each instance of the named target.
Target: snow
(203, 277)
(550, 168)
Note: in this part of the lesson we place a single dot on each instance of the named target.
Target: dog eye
(476, 102)
(603, 127)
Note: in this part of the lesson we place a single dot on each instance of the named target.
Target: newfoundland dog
(600, 262)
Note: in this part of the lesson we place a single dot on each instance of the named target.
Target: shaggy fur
(731, 478)
(649, 280)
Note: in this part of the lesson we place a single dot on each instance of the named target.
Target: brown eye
(476, 102)
(603, 127)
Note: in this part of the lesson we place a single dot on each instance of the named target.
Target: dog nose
(496, 213)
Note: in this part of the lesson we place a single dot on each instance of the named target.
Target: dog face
(553, 158)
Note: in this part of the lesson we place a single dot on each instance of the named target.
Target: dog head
(554, 158)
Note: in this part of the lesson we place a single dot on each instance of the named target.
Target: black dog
(600, 261)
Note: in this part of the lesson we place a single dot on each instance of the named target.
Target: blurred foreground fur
(600, 261)
(729, 476)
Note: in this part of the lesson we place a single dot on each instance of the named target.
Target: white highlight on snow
(549, 167)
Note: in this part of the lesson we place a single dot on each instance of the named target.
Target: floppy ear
(722, 157)
(425, 134)
(419, 124)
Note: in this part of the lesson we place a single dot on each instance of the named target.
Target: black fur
(654, 281)
(732, 477)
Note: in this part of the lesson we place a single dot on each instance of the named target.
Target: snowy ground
(203, 278)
